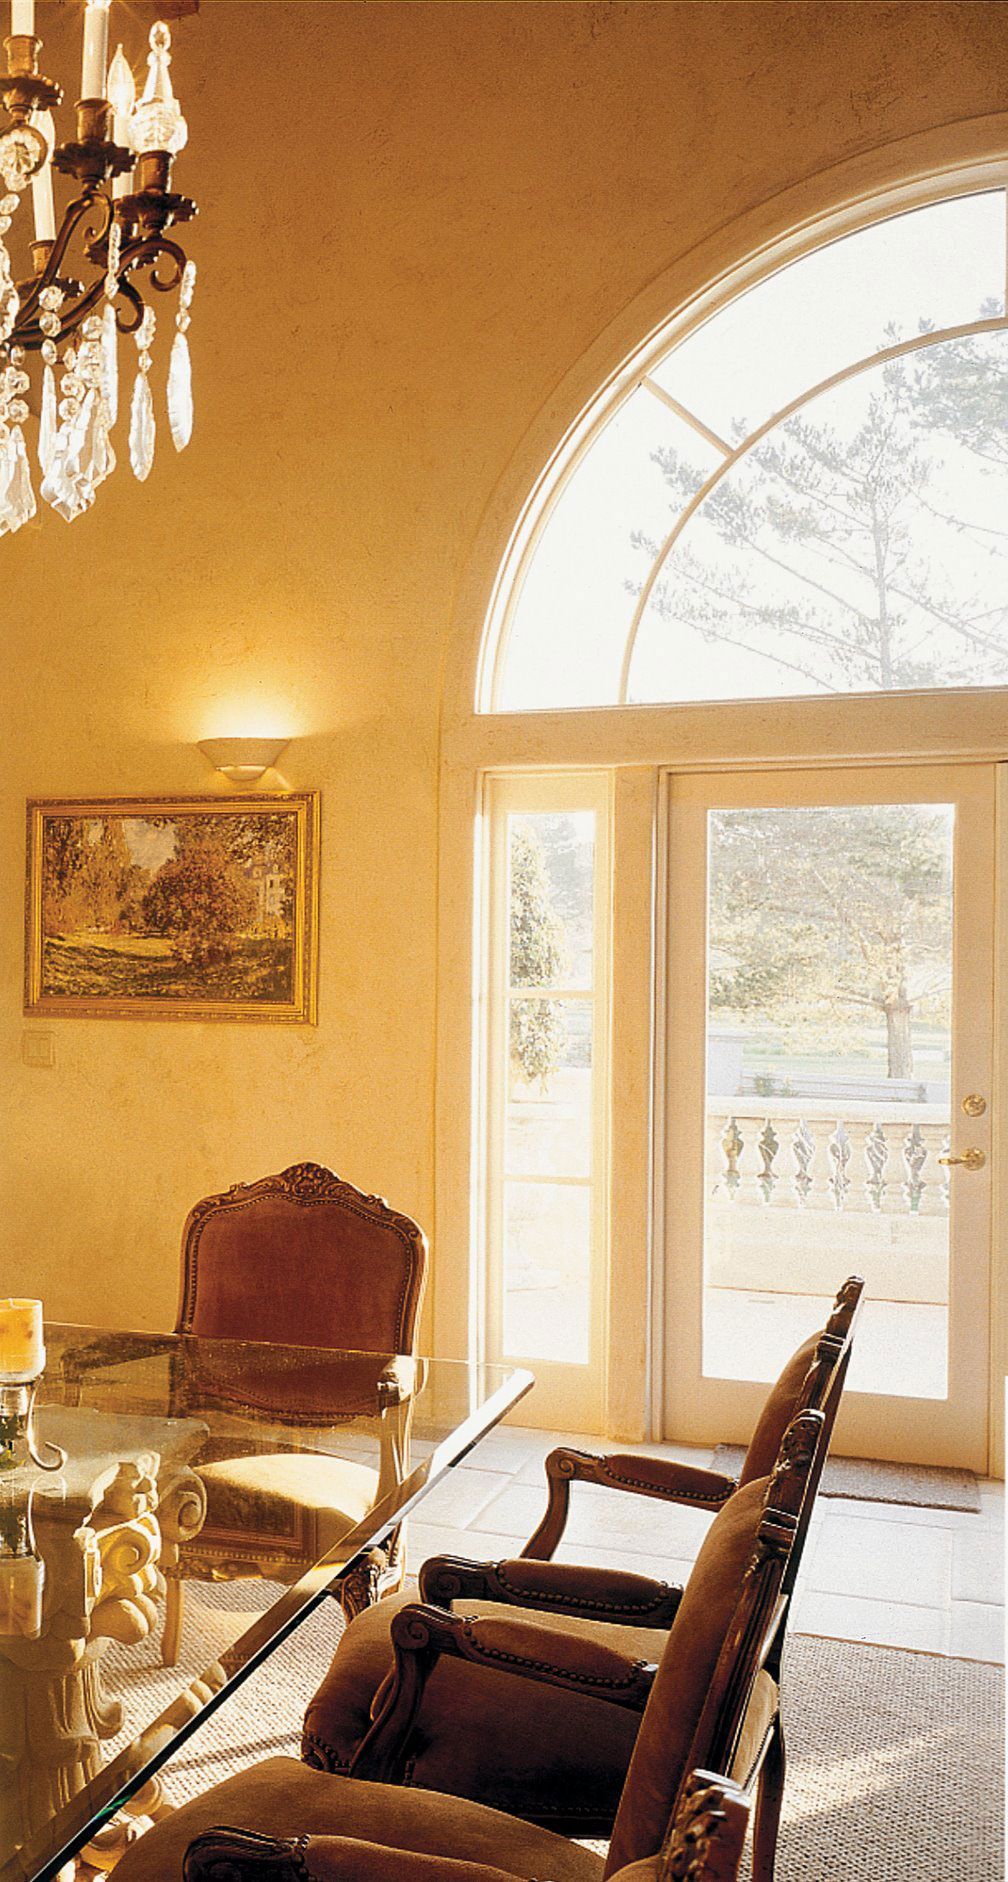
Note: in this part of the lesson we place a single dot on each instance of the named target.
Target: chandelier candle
(96, 264)
(42, 190)
(95, 49)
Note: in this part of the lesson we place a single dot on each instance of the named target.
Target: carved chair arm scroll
(648, 1476)
(228, 1855)
(420, 1635)
(598, 1594)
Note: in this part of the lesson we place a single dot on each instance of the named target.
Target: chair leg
(769, 1798)
(360, 1586)
(171, 1638)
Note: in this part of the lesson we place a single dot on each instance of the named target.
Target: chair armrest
(420, 1635)
(227, 1855)
(598, 1594)
(648, 1476)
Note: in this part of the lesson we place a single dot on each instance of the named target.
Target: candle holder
(93, 157)
(17, 1429)
(23, 87)
(22, 1570)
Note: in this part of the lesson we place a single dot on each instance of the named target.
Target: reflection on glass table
(89, 1711)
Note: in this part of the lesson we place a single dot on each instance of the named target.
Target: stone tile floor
(897, 1576)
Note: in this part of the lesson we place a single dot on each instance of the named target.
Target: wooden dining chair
(710, 1706)
(299, 1259)
(566, 1766)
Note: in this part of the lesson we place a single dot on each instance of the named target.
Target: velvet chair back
(304, 1259)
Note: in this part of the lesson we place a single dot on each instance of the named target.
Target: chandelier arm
(147, 251)
(136, 301)
(73, 217)
(143, 253)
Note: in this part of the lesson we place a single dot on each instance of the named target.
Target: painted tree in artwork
(537, 957)
(85, 870)
(199, 898)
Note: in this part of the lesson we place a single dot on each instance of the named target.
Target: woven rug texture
(924, 1486)
(895, 1759)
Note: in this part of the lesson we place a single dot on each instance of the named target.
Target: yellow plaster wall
(413, 219)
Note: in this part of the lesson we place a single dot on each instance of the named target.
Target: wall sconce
(242, 760)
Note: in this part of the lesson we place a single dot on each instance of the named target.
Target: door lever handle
(970, 1159)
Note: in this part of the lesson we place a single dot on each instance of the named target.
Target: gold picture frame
(200, 908)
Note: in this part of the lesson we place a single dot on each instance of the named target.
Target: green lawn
(143, 967)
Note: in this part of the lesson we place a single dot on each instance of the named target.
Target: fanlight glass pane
(860, 546)
(940, 267)
(571, 619)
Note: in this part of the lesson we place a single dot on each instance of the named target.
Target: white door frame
(704, 1409)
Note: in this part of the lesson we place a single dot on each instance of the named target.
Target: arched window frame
(637, 743)
(637, 370)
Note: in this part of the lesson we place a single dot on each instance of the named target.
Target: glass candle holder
(22, 1571)
(19, 1443)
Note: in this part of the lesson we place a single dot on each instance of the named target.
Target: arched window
(805, 493)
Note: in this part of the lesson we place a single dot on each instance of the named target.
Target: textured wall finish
(414, 219)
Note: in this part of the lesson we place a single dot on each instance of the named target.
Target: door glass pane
(828, 1077)
(547, 1230)
(546, 1223)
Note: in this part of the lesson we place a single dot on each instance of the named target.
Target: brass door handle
(970, 1159)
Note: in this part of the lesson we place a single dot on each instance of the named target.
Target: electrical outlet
(38, 1049)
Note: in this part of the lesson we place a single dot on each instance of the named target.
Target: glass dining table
(206, 1497)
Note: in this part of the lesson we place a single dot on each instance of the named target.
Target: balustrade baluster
(803, 1150)
(840, 1152)
(733, 1144)
(768, 1146)
(877, 1156)
(946, 1180)
(915, 1157)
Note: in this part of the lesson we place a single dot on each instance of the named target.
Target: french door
(828, 1052)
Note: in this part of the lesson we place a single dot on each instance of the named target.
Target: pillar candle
(22, 1352)
(22, 16)
(22, 1579)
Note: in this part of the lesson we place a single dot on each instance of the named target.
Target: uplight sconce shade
(242, 760)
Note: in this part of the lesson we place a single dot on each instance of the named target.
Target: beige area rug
(895, 1759)
(924, 1486)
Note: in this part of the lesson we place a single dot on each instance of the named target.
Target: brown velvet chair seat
(301, 1500)
(704, 1845)
(283, 1798)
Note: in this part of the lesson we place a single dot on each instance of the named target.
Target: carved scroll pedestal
(99, 1535)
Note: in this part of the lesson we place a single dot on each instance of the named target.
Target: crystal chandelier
(113, 233)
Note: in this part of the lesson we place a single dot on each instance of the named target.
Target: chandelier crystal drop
(92, 277)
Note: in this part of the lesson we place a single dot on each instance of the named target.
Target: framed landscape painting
(173, 907)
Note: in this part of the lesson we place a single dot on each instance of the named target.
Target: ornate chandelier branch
(94, 277)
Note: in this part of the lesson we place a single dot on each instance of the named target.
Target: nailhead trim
(329, 1759)
(714, 1497)
(547, 1666)
(596, 1607)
